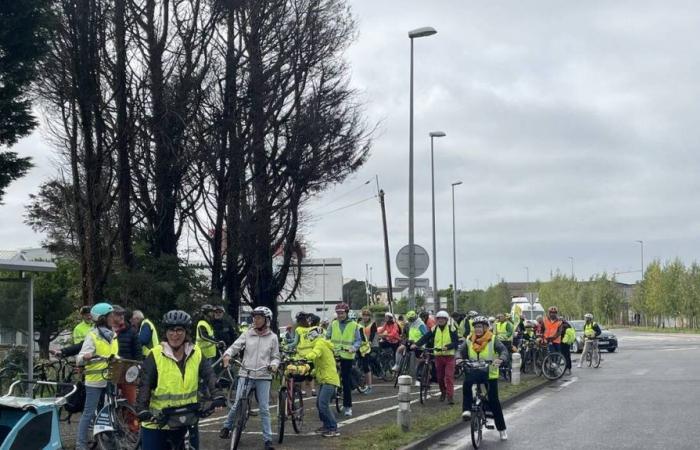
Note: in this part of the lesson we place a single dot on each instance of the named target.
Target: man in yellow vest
(504, 331)
(482, 345)
(345, 336)
(444, 339)
(100, 344)
(591, 331)
(205, 333)
(171, 378)
(414, 330)
(147, 332)
(83, 327)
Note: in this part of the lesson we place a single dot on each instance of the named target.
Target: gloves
(145, 416)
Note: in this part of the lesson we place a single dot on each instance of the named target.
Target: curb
(456, 426)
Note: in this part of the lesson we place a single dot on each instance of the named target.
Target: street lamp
(454, 250)
(433, 135)
(413, 34)
(641, 243)
(572, 267)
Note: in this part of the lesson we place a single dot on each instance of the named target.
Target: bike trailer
(28, 423)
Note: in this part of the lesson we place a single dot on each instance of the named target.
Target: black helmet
(207, 307)
(84, 310)
(176, 318)
(314, 320)
(301, 315)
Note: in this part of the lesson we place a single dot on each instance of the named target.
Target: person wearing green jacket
(327, 379)
(566, 341)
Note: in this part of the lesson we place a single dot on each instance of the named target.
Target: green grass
(389, 437)
(666, 330)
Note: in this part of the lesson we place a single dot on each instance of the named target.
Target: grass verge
(663, 330)
(389, 437)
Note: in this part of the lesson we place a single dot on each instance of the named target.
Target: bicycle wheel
(358, 380)
(126, 430)
(424, 371)
(297, 410)
(386, 361)
(537, 362)
(338, 399)
(239, 423)
(596, 358)
(554, 366)
(281, 413)
(589, 358)
(476, 430)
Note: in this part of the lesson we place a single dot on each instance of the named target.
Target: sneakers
(320, 430)
(504, 435)
(225, 433)
(331, 433)
(395, 368)
(442, 396)
(368, 391)
(450, 401)
(313, 392)
(466, 416)
(347, 412)
(579, 366)
(268, 446)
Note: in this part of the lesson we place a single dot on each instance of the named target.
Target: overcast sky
(573, 126)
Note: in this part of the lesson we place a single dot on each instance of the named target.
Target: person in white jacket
(260, 361)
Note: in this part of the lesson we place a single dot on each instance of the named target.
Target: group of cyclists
(176, 369)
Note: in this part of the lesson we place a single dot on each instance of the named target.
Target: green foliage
(355, 293)
(11, 168)
(56, 296)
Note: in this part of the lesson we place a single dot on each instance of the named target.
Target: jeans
(92, 399)
(566, 351)
(554, 347)
(346, 379)
(262, 388)
(494, 402)
(445, 366)
(323, 404)
(161, 439)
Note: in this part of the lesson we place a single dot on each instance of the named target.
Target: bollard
(403, 414)
(515, 368)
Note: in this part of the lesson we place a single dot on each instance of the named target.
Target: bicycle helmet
(530, 324)
(482, 320)
(301, 315)
(314, 320)
(342, 307)
(472, 314)
(314, 333)
(411, 315)
(176, 318)
(442, 314)
(352, 315)
(588, 316)
(207, 308)
(116, 309)
(84, 310)
(262, 311)
(99, 310)
(553, 309)
(219, 308)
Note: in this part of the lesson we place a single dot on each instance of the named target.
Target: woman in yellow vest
(482, 345)
(444, 339)
(369, 343)
(100, 342)
(171, 376)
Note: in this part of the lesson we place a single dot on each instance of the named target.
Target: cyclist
(224, 329)
(128, 349)
(591, 330)
(504, 331)
(345, 336)
(147, 332)
(552, 329)
(443, 338)
(261, 350)
(390, 333)
(369, 344)
(539, 327)
(427, 319)
(205, 333)
(326, 375)
(415, 329)
(171, 377)
(301, 345)
(568, 338)
(100, 342)
(84, 326)
(465, 326)
(482, 345)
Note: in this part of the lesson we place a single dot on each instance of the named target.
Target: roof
(26, 266)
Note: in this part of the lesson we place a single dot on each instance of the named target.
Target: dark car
(606, 340)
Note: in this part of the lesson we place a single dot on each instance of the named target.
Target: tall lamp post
(641, 243)
(433, 135)
(572, 267)
(454, 250)
(413, 34)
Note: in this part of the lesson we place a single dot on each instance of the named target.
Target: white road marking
(640, 372)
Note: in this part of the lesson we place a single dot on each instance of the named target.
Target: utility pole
(387, 259)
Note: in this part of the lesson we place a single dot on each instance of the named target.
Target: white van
(526, 309)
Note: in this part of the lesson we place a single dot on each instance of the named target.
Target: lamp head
(421, 32)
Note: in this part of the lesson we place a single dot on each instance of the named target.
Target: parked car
(606, 340)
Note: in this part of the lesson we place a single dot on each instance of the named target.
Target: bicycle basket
(299, 372)
(124, 371)
(181, 416)
(476, 368)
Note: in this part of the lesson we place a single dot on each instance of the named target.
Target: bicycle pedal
(490, 427)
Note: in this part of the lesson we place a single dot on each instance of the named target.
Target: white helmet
(442, 314)
(264, 310)
(588, 316)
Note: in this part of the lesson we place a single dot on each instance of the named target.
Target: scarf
(478, 344)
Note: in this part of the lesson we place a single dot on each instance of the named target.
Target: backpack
(76, 402)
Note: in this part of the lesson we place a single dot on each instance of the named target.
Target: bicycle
(243, 405)
(383, 363)
(226, 378)
(291, 399)
(424, 373)
(357, 380)
(479, 400)
(553, 365)
(182, 419)
(404, 364)
(528, 351)
(592, 356)
(115, 425)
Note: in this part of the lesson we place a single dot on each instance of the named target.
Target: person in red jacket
(390, 333)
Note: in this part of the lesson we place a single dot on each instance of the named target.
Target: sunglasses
(177, 330)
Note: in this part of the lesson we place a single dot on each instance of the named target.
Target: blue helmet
(99, 310)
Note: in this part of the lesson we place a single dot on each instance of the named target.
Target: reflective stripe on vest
(442, 338)
(173, 389)
(208, 348)
(345, 339)
(488, 354)
(588, 330)
(95, 372)
(154, 337)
